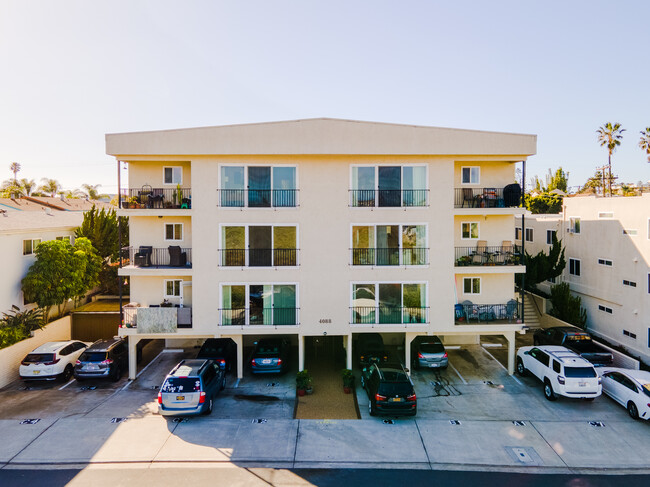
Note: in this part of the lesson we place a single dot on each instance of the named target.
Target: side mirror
(527, 352)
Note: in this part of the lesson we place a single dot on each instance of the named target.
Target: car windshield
(395, 389)
(267, 350)
(212, 350)
(92, 357)
(36, 358)
(431, 348)
(181, 384)
(646, 389)
(579, 372)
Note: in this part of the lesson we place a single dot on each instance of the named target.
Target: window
(529, 235)
(630, 232)
(173, 175)
(605, 262)
(629, 283)
(469, 230)
(471, 285)
(517, 233)
(574, 225)
(259, 246)
(574, 267)
(67, 238)
(388, 186)
(401, 303)
(389, 245)
(629, 334)
(550, 235)
(258, 186)
(173, 288)
(605, 214)
(470, 175)
(606, 309)
(173, 231)
(29, 246)
(556, 366)
(259, 304)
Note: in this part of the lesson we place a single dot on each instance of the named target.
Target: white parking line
(502, 366)
(63, 387)
(236, 384)
(457, 373)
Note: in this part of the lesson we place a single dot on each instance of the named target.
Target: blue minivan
(190, 388)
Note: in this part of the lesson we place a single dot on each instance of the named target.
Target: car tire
(371, 409)
(117, 374)
(632, 410)
(66, 374)
(548, 391)
(589, 399)
(208, 410)
(521, 369)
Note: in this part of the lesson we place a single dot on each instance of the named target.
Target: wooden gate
(89, 327)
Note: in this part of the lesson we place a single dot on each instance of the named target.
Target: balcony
(259, 316)
(258, 198)
(389, 256)
(258, 257)
(506, 197)
(510, 312)
(388, 315)
(156, 258)
(486, 256)
(157, 198)
(157, 319)
(388, 198)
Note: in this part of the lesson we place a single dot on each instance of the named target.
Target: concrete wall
(10, 357)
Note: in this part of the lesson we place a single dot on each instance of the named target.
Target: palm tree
(28, 186)
(644, 142)
(610, 136)
(91, 190)
(51, 186)
(14, 168)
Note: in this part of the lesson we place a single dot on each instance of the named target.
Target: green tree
(101, 228)
(51, 186)
(91, 191)
(29, 320)
(28, 186)
(85, 267)
(644, 141)
(558, 180)
(544, 203)
(610, 136)
(567, 307)
(10, 189)
(542, 266)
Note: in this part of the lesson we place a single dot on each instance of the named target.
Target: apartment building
(607, 242)
(320, 230)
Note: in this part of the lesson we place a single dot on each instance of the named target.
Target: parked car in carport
(429, 353)
(190, 388)
(221, 350)
(271, 355)
(370, 349)
(630, 388)
(103, 359)
(51, 361)
(389, 389)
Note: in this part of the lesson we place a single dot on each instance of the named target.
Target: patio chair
(157, 197)
(480, 255)
(142, 258)
(511, 310)
(469, 197)
(506, 252)
(177, 258)
(144, 195)
(471, 311)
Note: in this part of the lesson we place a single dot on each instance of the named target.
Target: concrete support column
(239, 341)
(347, 343)
(301, 353)
(133, 356)
(510, 336)
(408, 338)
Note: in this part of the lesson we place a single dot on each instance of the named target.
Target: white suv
(52, 360)
(562, 371)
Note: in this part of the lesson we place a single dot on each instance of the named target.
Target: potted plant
(348, 380)
(303, 382)
(166, 304)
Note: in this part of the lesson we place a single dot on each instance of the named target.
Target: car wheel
(223, 383)
(632, 410)
(521, 370)
(371, 409)
(67, 373)
(117, 374)
(208, 410)
(548, 391)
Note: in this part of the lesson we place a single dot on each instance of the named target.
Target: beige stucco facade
(324, 154)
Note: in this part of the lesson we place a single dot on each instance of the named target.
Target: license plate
(582, 384)
(397, 399)
(266, 361)
(180, 398)
(36, 372)
(92, 367)
(434, 365)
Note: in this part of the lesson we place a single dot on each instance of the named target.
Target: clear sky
(72, 71)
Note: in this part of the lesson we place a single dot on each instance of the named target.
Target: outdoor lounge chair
(469, 197)
(480, 255)
(471, 311)
(177, 258)
(142, 258)
(506, 252)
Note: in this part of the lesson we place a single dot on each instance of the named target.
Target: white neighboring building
(20, 232)
(607, 243)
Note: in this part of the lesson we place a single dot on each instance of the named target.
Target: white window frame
(376, 178)
(173, 183)
(34, 243)
(478, 231)
(518, 233)
(222, 244)
(67, 238)
(531, 234)
(471, 173)
(629, 334)
(579, 265)
(400, 244)
(472, 278)
(173, 239)
(572, 224)
(401, 283)
(605, 262)
(180, 288)
(247, 299)
(246, 184)
(605, 309)
(605, 215)
(631, 232)
(627, 282)
(549, 236)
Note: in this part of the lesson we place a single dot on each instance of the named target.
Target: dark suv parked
(389, 389)
(221, 350)
(104, 358)
(370, 349)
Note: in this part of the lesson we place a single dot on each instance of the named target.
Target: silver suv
(562, 371)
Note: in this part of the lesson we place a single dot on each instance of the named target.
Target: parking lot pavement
(16, 436)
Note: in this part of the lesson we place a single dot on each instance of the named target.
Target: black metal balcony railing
(389, 197)
(509, 312)
(390, 256)
(259, 316)
(501, 255)
(258, 198)
(183, 315)
(486, 198)
(388, 315)
(258, 257)
(145, 256)
(155, 198)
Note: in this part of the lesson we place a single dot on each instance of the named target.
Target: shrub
(567, 307)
